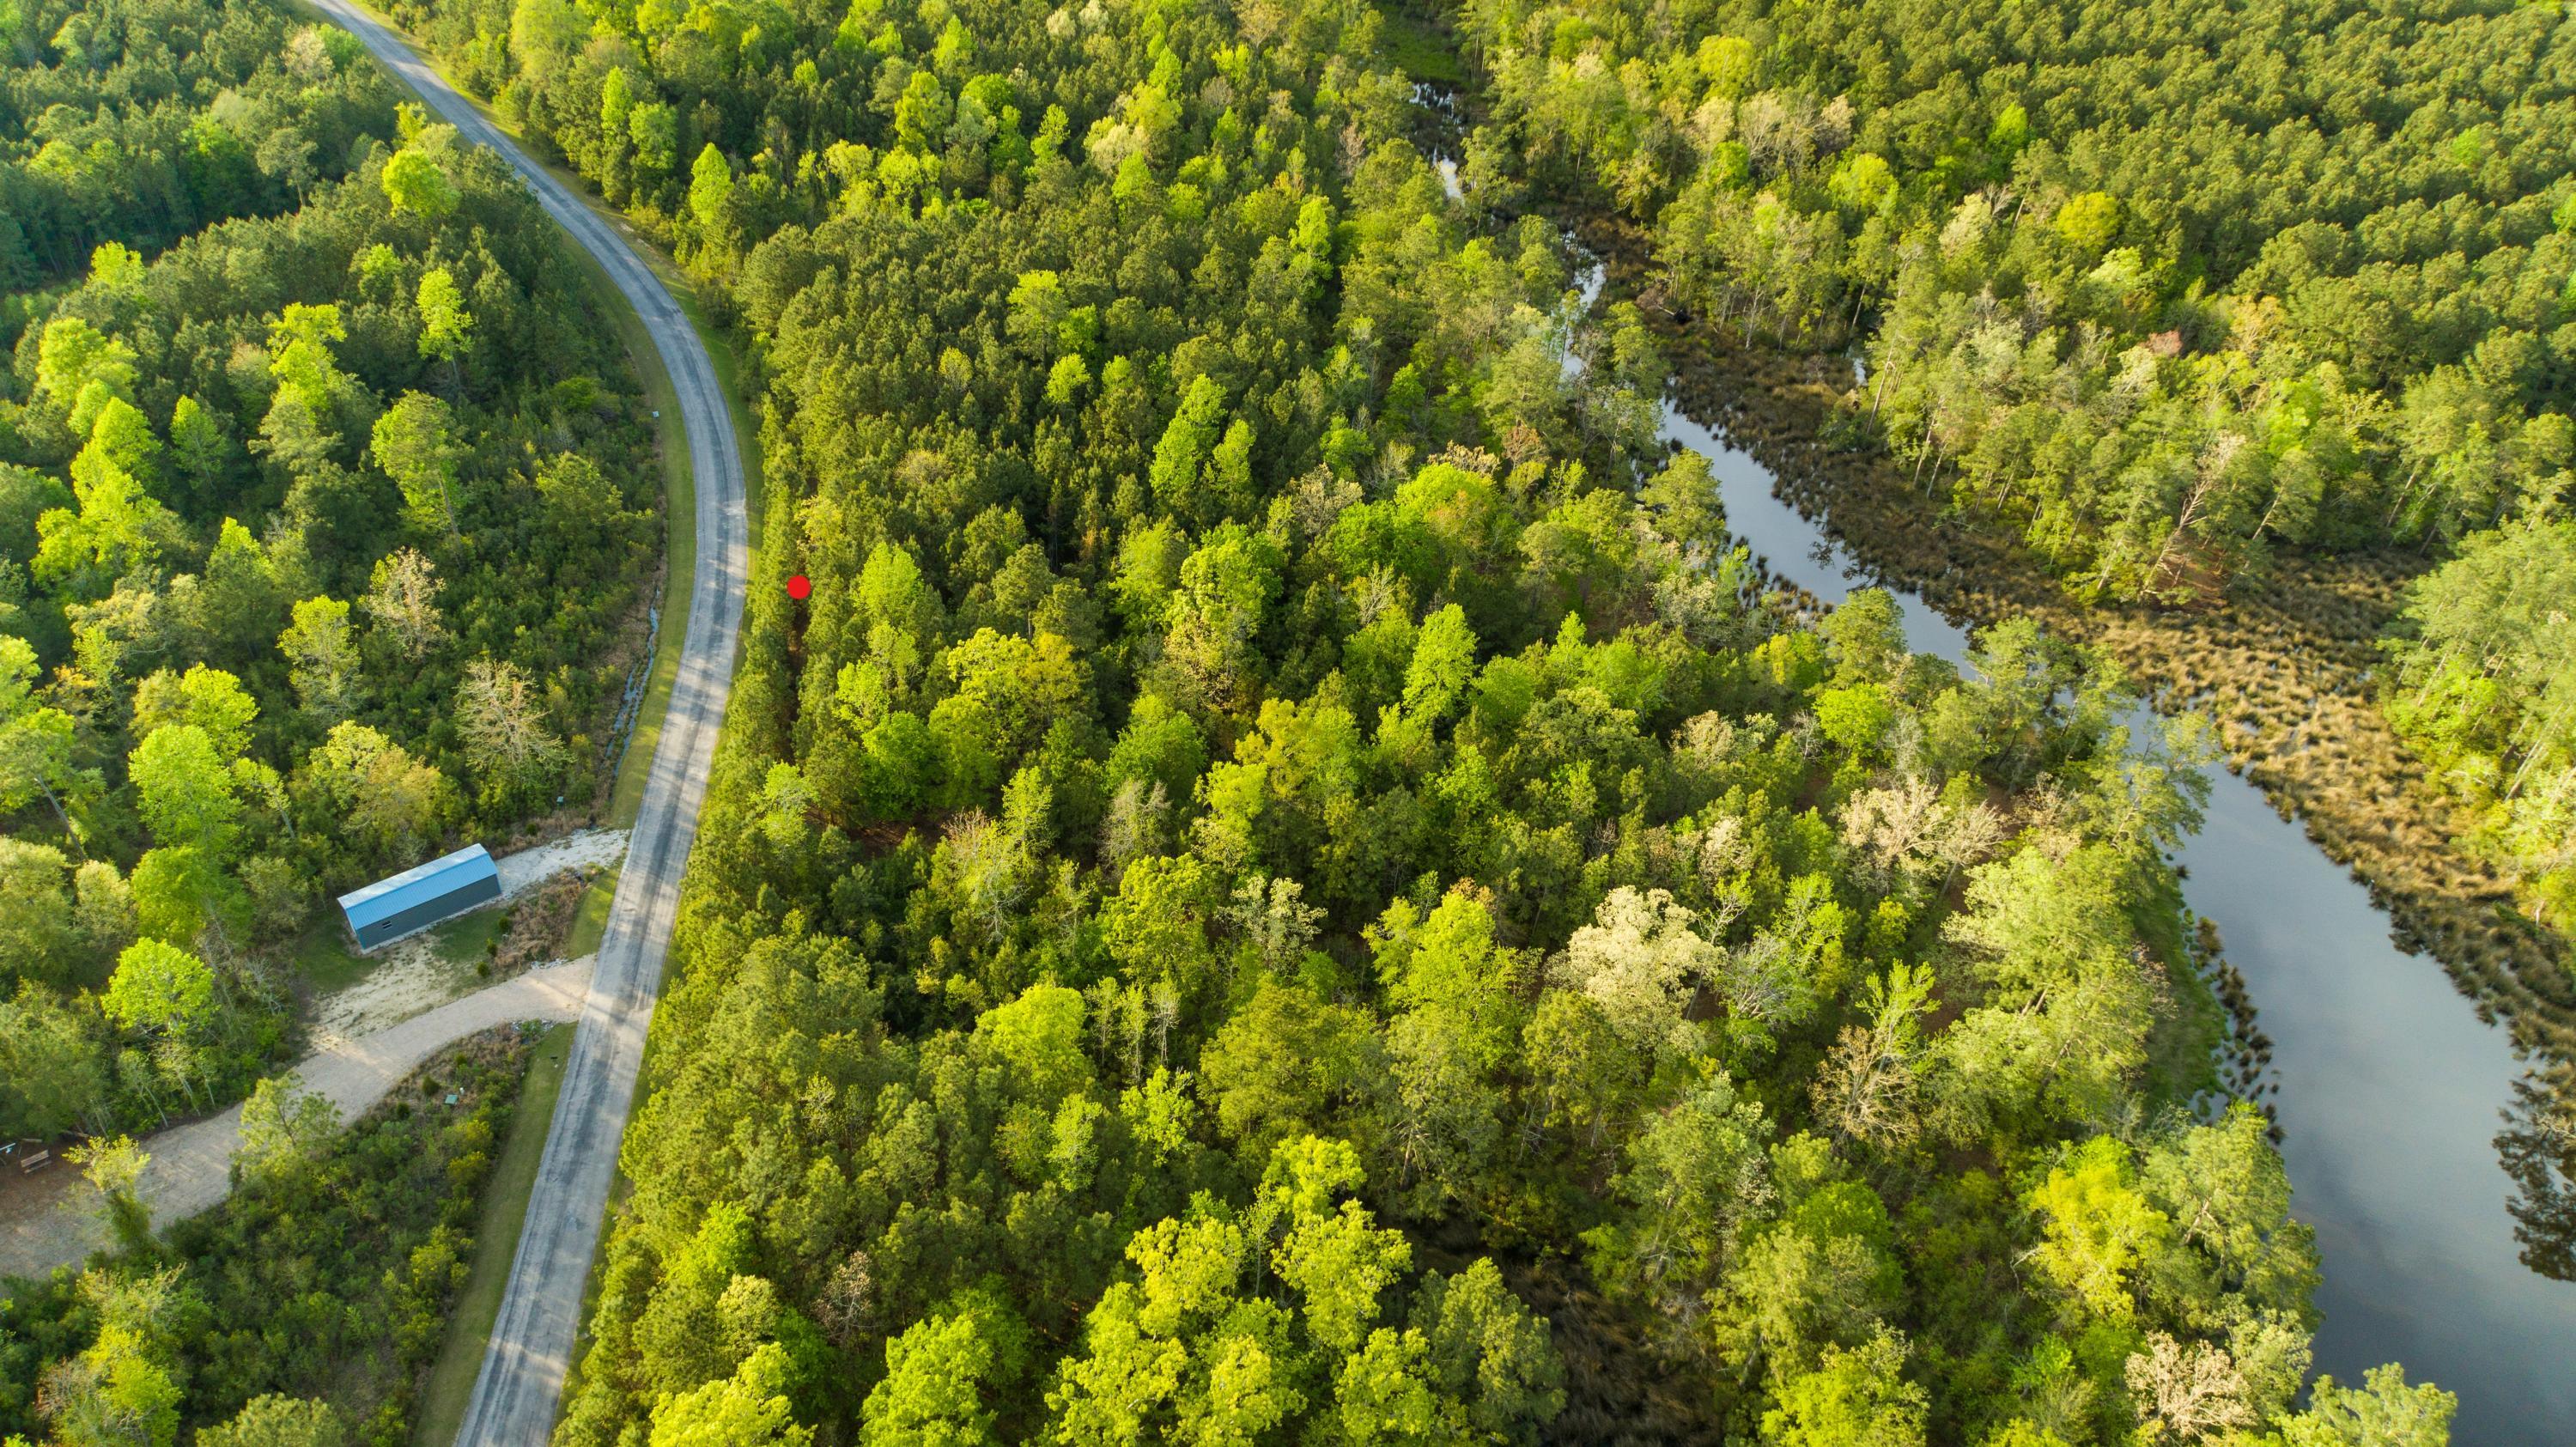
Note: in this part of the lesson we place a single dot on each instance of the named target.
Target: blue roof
(418, 885)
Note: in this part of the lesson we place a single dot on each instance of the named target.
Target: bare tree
(504, 723)
(2187, 1391)
(404, 602)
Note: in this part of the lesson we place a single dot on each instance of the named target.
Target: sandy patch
(582, 848)
(409, 977)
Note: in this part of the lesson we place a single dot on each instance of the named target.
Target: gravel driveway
(191, 1164)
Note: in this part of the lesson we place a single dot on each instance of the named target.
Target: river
(2388, 1089)
(2391, 1089)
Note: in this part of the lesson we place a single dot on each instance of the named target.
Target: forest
(326, 509)
(2161, 292)
(1284, 835)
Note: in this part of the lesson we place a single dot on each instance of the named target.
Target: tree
(278, 1421)
(1156, 927)
(2191, 1390)
(747, 1409)
(182, 891)
(446, 327)
(1857, 1398)
(1638, 962)
(1180, 457)
(113, 1167)
(53, 1074)
(506, 737)
(655, 129)
(117, 526)
(941, 1372)
(300, 357)
(208, 699)
(385, 801)
(413, 443)
(2066, 1009)
(80, 369)
(2383, 1412)
(414, 181)
(41, 937)
(160, 987)
(35, 741)
(1492, 1364)
(403, 601)
(322, 659)
(241, 600)
(1287, 1064)
(1693, 1178)
(2100, 1231)
(186, 794)
(711, 192)
(1184, 1351)
(284, 1128)
(202, 451)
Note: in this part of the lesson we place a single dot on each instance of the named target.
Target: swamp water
(2390, 1089)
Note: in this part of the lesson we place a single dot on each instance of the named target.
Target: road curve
(191, 1166)
(516, 1395)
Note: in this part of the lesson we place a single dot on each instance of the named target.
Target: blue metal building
(421, 896)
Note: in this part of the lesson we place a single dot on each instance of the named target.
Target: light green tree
(284, 1128)
(160, 987)
(414, 442)
(710, 190)
(387, 801)
(941, 1372)
(278, 1421)
(322, 659)
(35, 741)
(414, 181)
(209, 699)
(446, 327)
(748, 1409)
(184, 790)
(2383, 1412)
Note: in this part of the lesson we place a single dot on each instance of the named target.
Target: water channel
(2391, 1089)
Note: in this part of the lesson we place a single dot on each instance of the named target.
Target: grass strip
(496, 1241)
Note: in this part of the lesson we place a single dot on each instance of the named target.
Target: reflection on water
(2391, 1088)
(2539, 1149)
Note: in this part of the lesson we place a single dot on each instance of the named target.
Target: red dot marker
(799, 587)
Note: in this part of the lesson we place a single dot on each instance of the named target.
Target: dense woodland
(301, 1312)
(325, 500)
(2160, 289)
(1283, 829)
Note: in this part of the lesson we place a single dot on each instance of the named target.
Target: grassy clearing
(327, 961)
(496, 1241)
(590, 918)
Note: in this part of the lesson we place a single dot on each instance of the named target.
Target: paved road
(190, 1169)
(523, 1373)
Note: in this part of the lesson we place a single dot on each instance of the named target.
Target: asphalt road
(516, 1396)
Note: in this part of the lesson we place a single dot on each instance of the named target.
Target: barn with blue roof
(421, 896)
